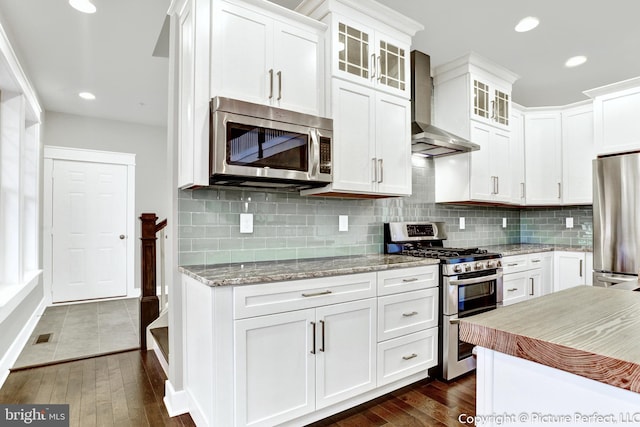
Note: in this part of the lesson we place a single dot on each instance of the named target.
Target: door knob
(122, 237)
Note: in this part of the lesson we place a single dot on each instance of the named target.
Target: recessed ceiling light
(84, 6)
(87, 95)
(574, 61)
(527, 24)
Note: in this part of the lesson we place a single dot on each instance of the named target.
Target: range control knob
(457, 269)
(491, 264)
(478, 266)
(467, 267)
(499, 263)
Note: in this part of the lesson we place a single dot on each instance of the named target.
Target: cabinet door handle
(279, 85)
(271, 83)
(580, 268)
(313, 333)
(379, 69)
(559, 190)
(373, 66)
(493, 110)
(381, 166)
(413, 279)
(497, 185)
(315, 294)
(413, 313)
(375, 170)
(409, 357)
(522, 190)
(531, 286)
(322, 348)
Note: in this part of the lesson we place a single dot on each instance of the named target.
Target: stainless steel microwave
(261, 146)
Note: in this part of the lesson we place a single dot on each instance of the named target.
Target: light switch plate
(569, 222)
(343, 223)
(246, 223)
(462, 223)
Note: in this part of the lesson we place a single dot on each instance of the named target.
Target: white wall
(148, 143)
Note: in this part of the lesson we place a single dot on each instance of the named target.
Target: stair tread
(161, 336)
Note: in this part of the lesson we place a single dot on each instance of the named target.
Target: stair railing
(149, 303)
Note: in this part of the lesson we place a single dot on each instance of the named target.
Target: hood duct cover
(427, 139)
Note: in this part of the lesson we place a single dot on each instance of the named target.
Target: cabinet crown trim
(320, 8)
(633, 83)
(470, 63)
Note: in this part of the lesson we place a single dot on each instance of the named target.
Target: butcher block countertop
(247, 273)
(588, 331)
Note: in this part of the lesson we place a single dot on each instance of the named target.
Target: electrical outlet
(343, 223)
(462, 223)
(569, 222)
(246, 223)
(504, 222)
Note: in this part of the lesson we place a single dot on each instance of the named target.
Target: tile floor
(83, 330)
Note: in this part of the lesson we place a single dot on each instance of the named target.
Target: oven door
(254, 147)
(457, 357)
(472, 293)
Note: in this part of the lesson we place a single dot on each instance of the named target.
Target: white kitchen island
(571, 358)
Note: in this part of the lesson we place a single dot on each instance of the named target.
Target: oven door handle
(474, 280)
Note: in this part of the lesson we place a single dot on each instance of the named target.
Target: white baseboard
(21, 340)
(176, 402)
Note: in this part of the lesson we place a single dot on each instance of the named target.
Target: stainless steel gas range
(470, 283)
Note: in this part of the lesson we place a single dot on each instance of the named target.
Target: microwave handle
(314, 153)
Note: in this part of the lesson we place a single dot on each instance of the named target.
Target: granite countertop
(588, 331)
(247, 273)
(529, 248)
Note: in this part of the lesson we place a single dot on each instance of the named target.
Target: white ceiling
(110, 52)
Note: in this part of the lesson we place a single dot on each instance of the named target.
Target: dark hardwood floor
(420, 405)
(124, 389)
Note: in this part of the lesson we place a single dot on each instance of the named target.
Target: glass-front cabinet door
(368, 57)
(489, 104)
(353, 51)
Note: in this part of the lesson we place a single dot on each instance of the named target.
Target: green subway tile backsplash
(287, 225)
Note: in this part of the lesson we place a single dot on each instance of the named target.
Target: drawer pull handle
(411, 356)
(535, 260)
(512, 289)
(315, 294)
(413, 279)
(413, 313)
(512, 265)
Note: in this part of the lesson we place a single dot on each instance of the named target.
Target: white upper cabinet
(615, 114)
(577, 155)
(263, 57)
(516, 157)
(543, 154)
(368, 96)
(473, 100)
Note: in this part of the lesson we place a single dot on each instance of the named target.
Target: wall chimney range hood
(428, 140)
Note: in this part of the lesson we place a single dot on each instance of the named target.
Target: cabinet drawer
(268, 298)
(401, 314)
(515, 263)
(407, 355)
(407, 279)
(536, 260)
(515, 287)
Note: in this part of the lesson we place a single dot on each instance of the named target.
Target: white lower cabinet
(293, 352)
(570, 269)
(527, 276)
(290, 364)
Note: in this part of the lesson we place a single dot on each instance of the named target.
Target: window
(19, 191)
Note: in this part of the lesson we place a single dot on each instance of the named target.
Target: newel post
(149, 303)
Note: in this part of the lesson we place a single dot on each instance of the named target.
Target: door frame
(51, 154)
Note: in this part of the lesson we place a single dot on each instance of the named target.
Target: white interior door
(89, 230)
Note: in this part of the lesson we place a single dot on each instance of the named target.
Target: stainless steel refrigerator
(616, 220)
